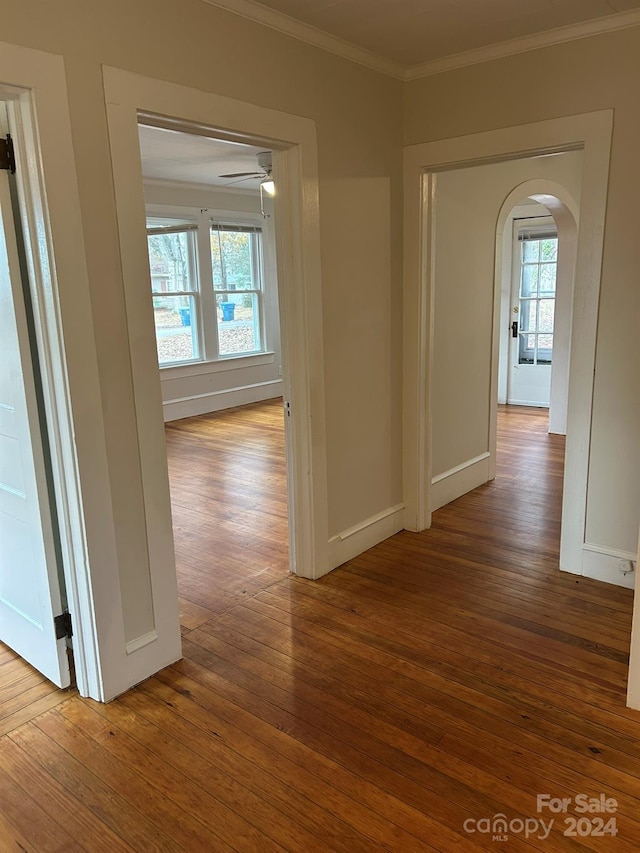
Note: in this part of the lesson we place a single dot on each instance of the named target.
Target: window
(538, 267)
(207, 286)
(173, 267)
(237, 283)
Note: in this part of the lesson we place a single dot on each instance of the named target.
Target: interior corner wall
(578, 77)
(197, 389)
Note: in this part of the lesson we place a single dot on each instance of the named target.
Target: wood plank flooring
(438, 679)
(228, 496)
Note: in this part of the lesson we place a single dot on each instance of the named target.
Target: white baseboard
(459, 480)
(603, 564)
(215, 401)
(140, 642)
(348, 544)
(534, 403)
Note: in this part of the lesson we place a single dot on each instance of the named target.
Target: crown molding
(325, 41)
(309, 34)
(561, 35)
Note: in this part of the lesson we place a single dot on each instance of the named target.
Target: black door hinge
(63, 626)
(7, 157)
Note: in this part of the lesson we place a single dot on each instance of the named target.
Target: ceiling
(171, 155)
(414, 32)
(406, 34)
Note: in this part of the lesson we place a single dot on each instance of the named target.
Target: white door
(30, 592)
(532, 314)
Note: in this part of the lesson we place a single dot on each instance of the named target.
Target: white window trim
(207, 332)
(229, 362)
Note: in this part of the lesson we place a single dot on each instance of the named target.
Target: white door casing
(591, 133)
(30, 592)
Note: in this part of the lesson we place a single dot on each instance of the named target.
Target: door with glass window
(532, 313)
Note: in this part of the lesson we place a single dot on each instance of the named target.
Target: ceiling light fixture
(268, 186)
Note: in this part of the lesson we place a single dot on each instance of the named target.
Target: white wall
(211, 386)
(467, 207)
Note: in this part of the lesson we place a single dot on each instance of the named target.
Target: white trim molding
(353, 541)
(142, 641)
(216, 401)
(604, 564)
(309, 34)
(525, 44)
(458, 481)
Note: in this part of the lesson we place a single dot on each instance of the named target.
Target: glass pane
(545, 349)
(549, 249)
(176, 333)
(527, 345)
(528, 315)
(530, 251)
(232, 259)
(238, 325)
(529, 280)
(170, 262)
(545, 315)
(548, 278)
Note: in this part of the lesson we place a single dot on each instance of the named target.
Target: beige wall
(359, 121)
(582, 76)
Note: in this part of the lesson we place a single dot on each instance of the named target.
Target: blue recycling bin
(185, 316)
(228, 310)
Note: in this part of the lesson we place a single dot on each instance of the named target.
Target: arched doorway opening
(536, 242)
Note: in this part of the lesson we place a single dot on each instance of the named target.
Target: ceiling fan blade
(242, 175)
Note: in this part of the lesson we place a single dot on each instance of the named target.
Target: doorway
(211, 240)
(536, 242)
(152, 636)
(435, 466)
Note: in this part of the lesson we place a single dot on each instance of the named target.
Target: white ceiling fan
(267, 184)
(264, 162)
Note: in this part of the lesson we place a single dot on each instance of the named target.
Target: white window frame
(189, 228)
(206, 321)
(257, 251)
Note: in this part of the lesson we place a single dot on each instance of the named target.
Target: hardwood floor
(438, 679)
(228, 496)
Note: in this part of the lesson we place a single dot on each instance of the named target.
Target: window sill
(175, 371)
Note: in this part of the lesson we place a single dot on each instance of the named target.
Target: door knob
(514, 329)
